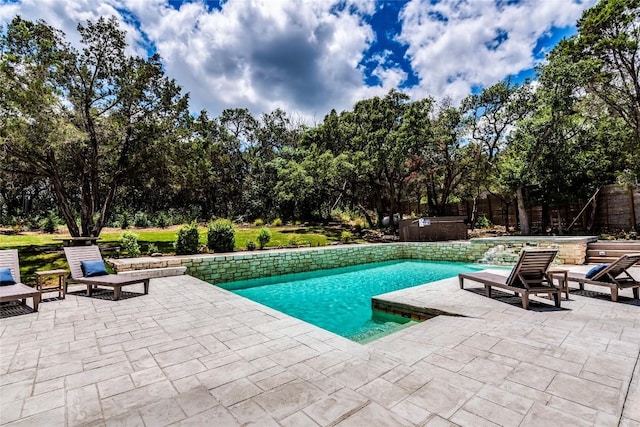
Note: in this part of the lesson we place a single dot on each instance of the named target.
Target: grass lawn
(39, 251)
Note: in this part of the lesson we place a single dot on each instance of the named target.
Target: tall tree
(89, 120)
(492, 115)
(607, 46)
(445, 161)
(389, 132)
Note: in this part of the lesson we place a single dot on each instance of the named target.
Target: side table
(563, 280)
(43, 286)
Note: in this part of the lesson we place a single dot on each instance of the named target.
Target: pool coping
(194, 353)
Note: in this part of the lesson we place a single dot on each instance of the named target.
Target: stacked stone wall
(221, 268)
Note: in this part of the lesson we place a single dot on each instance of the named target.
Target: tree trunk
(64, 207)
(474, 212)
(366, 215)
(506, 216)
(525, 227)
(592, 216)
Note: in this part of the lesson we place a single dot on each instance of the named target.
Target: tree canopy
(100, 134)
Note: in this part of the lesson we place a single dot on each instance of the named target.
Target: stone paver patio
(189, 353)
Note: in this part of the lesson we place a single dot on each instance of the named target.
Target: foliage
(129, 244)
(187, 239)
(251, 245)
(152, 248)
(294, 242)
(264, 236)
(50, 223)
(277, 222)
(346, 237)
(141, 220)
(125, 220)
(605, 49)
(127, 143)
(96, 114)
(483, 222)
(162, 220)
(221, 235)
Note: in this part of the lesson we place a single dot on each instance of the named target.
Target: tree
(492, 115)
(389, 132)
(607, 47)
(88, 121)
(561, 151)
(445, 161)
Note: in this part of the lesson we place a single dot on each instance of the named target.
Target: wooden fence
(617, 209)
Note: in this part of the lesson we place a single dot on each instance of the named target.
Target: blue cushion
(595, 270)
(6, 278)
(93, 268)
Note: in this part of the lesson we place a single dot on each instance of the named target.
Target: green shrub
(276, 222)
(264, 235)
(346, 237)
(221, 235)
(162, 220)
(50, 223)
(251, 245)
(141, 220)
(258, 222)
(125, 220)
(187, 239)
(294, 241)
(129, 244)
(482, 222)
(358, 224)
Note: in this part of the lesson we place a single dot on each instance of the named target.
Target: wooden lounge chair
(76, 254)
(17, 291)
(530, 276)
(615, 276)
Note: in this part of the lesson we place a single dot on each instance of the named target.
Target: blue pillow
(93, 268)
(595, 270)
(6, 278)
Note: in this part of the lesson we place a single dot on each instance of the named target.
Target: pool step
(407, 311)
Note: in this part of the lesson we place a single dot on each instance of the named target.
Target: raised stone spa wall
(220, 268)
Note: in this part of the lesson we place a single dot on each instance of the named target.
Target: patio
(189, 353)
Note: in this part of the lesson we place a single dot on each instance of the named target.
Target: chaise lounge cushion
(595, 270)
(6, 278)
(93, 268)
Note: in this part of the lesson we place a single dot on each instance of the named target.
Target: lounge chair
(615, 276)
(530, 276)
(84, 256)
(16, 291)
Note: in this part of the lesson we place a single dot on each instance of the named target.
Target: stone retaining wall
(220, 268)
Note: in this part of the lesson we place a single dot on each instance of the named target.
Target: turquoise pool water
(339, 300)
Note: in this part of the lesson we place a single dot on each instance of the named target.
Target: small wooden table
(61, 287)
(563, 280)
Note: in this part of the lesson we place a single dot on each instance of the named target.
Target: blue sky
(309, 56)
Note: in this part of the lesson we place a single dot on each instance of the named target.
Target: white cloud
(66, 15)
(454, 45)
(262, 54)
(307, 56)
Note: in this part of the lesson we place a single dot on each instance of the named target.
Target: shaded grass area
(40, 251)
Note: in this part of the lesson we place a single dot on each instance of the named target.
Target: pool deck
(189, 353)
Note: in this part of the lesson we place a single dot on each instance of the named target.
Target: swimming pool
(339, 300)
